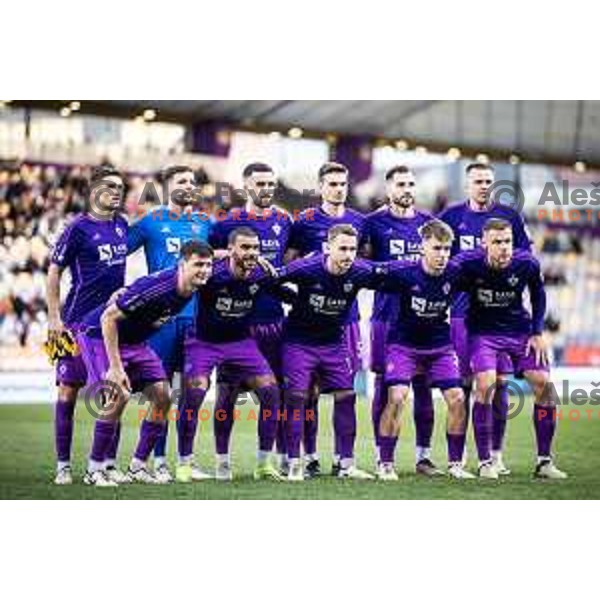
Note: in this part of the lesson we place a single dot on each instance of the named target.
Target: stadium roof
(556, 132)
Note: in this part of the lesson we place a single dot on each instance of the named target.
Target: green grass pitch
(27, 462)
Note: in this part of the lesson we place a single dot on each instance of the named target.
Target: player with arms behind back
(94, 248)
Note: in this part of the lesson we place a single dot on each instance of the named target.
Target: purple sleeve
(67, 246)
(294, 272)
(390, 276)
(295, 241)
(537, 292)
(134, 297)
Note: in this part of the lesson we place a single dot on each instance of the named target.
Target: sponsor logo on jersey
(105, 252)
(396, 247)
(173, 245)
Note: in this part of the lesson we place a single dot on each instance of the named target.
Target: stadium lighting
(331, 138)
(453, 154)
(275, 135)
(149, 114)
(420, 150)
(75, 105)
(139, 119)
(65, 111)
(514, 159)
(579, 166)
(483, 158)
(295, 133)
(402, 145)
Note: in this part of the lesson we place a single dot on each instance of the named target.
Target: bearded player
(162, 232)
(272, 225)
(392, 233)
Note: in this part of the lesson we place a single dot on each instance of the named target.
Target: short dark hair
(496, 224)
(331, 167)
(241, 232)
(397, 169)
(166, 174)
(436, 229)
(256, 167)
(196, 247)
(341, 229)
(478, 166)
(102, 172)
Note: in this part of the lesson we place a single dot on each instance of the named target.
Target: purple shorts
(486, 350)
(462, 345)
(379, 332)
(268, 337)
(330, 363)
(242, 358)
(140, 362)
(354, 345)
(71, 370)
(440, 366)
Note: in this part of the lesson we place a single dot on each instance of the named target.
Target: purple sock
(104, 432)
(377, 406)
(500, 414)
(63, 429)
(294, 406)
(270, 402)
(223, 418)
(188, 420)
(281, 436)
(113, 447)
(344, 424)
(149, 432)
(544, 422)
(387, 448)
(311, 423)
(423, 411)
(482, 426)
(467, 393)
(456, 446)
(160, 447)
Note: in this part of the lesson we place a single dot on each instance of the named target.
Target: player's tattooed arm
(55, 324)
(110, 334)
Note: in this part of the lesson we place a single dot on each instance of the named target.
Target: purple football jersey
(309, 234)
(227, 303)
(148, 303)
(467, 225)
(392, 238)
(95, 251)
(273, 227)
(324, 300)
(495, 296)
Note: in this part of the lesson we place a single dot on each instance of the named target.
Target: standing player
(315, 345)
(309, 234)
(467, 220)
(496, 279)
(222, 339)
(421, 341)
(94, 248)
(162, 233)
(272, 225)
(392, 233)
(120, 361)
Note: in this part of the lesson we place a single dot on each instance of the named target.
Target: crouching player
(223, 340)
(419, 341)
(119, 360)
(496, 279)
(315, 344)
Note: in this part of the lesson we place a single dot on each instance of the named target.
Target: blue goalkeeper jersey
(162, 233)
